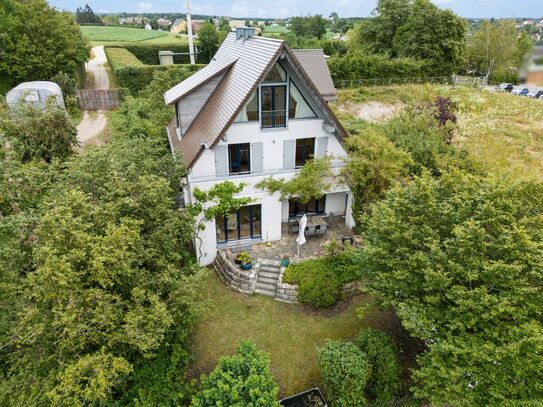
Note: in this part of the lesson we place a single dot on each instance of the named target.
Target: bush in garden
(67, 83)
(243, 379)
(43, 134)
(384, 381)
(345, 370)
(317, 282)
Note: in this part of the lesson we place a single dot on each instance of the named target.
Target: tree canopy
(85, 15)
(312, 26)
(38, 41)
(208, 40)
(459, 258)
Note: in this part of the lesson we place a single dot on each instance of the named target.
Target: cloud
(144, 6)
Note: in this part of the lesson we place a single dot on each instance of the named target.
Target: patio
(287, 246)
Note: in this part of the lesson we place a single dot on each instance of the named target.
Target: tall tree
(499, 43)
(38, 41)
(432, 34)
(460, 259)
(208, 40)
(376, 34)
(312, 26)
(111, 300)
(86, 15)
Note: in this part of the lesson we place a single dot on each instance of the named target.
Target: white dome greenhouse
(35, 94)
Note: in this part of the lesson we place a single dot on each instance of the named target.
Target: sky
(285, 8)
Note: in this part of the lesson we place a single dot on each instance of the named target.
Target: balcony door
(274, 105)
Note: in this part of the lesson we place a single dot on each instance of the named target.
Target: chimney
(244, 32)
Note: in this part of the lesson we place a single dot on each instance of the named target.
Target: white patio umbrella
(301, 233)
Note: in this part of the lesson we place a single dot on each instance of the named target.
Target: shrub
(43, 134)
(243, 379)
(318, 285)
(384, 381)
(362, 66)
(345, 370)
(418, 132)
(72, 105)
(320, 280)
(67, 83)
(133, 74)
(148, 53)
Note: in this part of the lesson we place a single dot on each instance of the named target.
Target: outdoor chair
(293, 225)
(310, 231)
(330, 219)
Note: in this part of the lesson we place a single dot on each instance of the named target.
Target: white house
(258, 109)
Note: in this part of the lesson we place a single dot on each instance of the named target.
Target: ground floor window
(314, 206)
(245, 223)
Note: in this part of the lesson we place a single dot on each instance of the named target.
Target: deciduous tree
(459, 258)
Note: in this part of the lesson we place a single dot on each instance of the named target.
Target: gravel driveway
(93, 123)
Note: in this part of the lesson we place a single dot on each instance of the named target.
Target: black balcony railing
(273, 118)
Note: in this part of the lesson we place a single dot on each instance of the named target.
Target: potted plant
(285, 262)
(245, 261)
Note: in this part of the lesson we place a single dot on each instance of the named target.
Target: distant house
(148, 26)
(534, 75)
(197, 25)
(241, 23)
(258, 109)
(34, 94)
(179, 25)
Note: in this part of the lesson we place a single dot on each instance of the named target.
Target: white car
(535, 94)
(503, 87)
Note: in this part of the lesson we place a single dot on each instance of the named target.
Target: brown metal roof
(245, 62)
(314, 64)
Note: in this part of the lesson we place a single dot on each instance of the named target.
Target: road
(94, 122)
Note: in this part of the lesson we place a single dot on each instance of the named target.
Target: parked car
(520, 91)
(535, 94)
(504, 87)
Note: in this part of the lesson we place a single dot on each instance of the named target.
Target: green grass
(102, 35)
(504, 132)
(121, 57)
(290, 333)
(275, 30)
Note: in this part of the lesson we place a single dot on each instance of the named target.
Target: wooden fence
(98, 99)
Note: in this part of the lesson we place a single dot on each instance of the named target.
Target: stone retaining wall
(286, 292)
(243, 281)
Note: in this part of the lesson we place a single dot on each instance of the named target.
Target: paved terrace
(287, 246)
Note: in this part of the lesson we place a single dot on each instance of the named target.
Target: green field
(502, 131)
(99, 35)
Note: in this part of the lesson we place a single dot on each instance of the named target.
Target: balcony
(270, 119)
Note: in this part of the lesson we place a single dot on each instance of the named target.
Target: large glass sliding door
(242, 224)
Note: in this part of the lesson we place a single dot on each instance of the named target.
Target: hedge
(345, 370)
(381, 351)
(133, 74)
(363, 66)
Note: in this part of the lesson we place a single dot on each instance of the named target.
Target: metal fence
(98, 99)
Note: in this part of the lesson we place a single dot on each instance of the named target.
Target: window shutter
(322, 145)
(257, 157)
(221, 160)
(289, 147)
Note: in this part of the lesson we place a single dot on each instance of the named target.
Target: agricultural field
(502, 131)
(102, 35)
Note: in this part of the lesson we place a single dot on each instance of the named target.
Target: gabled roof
(314, 64)
(244, 63)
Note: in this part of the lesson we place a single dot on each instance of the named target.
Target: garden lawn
(289, 333)
(503, 131)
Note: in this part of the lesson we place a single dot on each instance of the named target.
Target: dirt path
(94, 123)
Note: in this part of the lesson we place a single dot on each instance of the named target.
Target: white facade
(251, 114)
(273, 211)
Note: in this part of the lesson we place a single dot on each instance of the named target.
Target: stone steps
(265, 292)
(266, 282)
